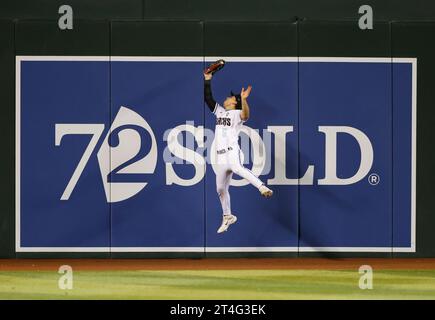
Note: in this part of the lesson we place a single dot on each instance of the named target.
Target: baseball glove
(214, 67)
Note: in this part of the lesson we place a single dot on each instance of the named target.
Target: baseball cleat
(265, 191)
(227, 220)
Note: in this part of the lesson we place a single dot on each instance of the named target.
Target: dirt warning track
(216, 264)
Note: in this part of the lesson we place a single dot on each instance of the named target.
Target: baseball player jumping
(229, 120)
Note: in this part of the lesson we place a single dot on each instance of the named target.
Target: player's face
(230, 103)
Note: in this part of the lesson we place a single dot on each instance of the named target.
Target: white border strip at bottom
(309, 249)
(110, 249)
(211, 249)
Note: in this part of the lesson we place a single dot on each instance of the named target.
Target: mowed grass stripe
(219, 284)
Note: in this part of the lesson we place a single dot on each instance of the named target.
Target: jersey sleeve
(238, 116)
(208, 96)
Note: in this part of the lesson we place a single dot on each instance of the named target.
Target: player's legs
(223, 179)
(239, 169)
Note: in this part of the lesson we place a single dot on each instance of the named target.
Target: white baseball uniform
(228, 159)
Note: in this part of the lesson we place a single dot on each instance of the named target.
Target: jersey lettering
(223, 122)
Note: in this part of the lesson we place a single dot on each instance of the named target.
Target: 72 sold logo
(121, 157)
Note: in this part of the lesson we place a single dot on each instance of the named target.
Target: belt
(222, 151)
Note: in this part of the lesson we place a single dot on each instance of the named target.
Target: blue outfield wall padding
(168, 209)
(345, 112)
(269, 145)
(146, 104)
(62, 98)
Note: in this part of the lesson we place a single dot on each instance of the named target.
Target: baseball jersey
(228, 125)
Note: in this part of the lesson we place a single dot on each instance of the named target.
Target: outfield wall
(343, 110)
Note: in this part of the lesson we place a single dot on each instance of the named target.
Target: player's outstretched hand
(245, 93)
(208, 76)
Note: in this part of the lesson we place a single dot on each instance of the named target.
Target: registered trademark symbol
(374, 179)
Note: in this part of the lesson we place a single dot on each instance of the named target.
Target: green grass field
(221, 284)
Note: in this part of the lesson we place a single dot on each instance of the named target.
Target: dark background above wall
(259, 10)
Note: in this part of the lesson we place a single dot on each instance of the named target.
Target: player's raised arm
(208, 96)
(244, 114)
